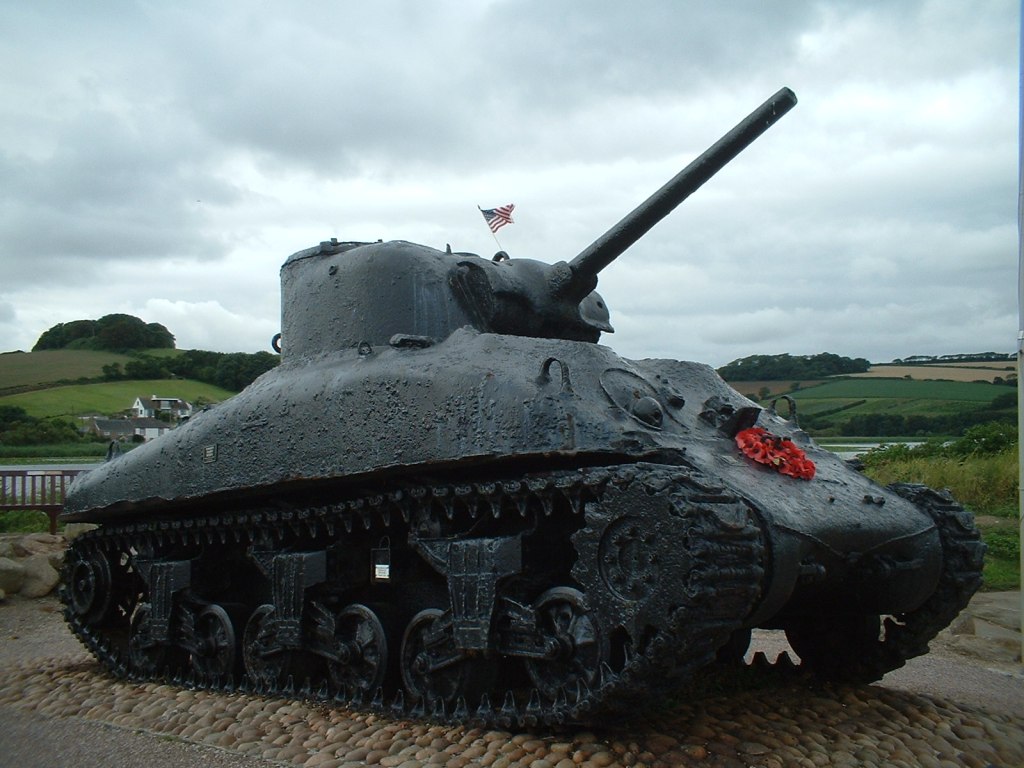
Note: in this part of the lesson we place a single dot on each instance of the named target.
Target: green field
(29, 380)
(19, 370)
(109, 397)
(845, 398)
(903, 389)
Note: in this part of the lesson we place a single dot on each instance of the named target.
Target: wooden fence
(41, 489)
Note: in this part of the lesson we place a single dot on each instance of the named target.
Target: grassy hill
(928, 399)
(20, 371)
(53, 383)
(109, 397)
(896, 395)
(967, 372)
(901, 389)
(895, 407)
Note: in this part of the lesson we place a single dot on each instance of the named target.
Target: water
(853, 450)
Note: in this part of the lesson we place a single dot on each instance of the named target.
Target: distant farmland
(950, 371)
(910, 401)
(857, 396)
(902, 407)
(902, 389)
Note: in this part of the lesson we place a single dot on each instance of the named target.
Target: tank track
(865, 659)
(660, 646)
(963, 555)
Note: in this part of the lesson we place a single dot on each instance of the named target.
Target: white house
(151, 407)
(126, 429)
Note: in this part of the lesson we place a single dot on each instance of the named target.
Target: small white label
(381, 571)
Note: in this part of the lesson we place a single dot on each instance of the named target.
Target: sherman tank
(450, 501)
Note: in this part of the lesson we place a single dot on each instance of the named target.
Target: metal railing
(37, 489)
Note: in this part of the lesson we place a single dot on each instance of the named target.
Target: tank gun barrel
(634, 225)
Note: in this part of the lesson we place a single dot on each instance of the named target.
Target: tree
(22, 429)
(112, 372)
(785, 366)
(145, 367)
(77, 332)
(158, 337)
(12, 414)
(119, 333)
(116, 333)
(237, 370)
(196, 364)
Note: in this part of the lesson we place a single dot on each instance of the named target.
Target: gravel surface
(58, 708)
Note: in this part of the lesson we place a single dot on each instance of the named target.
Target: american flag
(497, 218)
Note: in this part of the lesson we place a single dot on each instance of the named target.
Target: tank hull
(349, 420)
(543, 478)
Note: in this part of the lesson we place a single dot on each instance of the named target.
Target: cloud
(166, 159)
(209, 325)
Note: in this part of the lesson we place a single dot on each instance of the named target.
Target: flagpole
(493, 233)
(1020, 303)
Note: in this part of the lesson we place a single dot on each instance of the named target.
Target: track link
(686, 524)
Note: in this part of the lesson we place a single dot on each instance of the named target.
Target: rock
(38, 544)
(659, 743)
(12, 575)
(40, 576)
(71, 530)
(57, 559)
(962, 625)
(3, 595)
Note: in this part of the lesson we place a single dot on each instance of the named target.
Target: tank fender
(781, 574)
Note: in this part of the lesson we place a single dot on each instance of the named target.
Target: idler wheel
(433, 668)
(362, 651)
(89, 583)
(215, 654)
(578, 645)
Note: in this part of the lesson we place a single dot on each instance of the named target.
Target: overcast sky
(163, 159)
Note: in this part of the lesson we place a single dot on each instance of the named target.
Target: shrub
(985, 440)
(1004, 545)
(24, 521)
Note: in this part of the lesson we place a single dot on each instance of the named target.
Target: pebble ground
(788, 724)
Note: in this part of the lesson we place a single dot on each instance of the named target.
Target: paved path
(30, 740)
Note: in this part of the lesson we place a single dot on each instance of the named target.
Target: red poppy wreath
(777, 452)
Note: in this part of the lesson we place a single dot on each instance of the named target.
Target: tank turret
(447, 501)
(342, 294)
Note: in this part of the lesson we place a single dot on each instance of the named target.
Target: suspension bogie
(534, 600)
